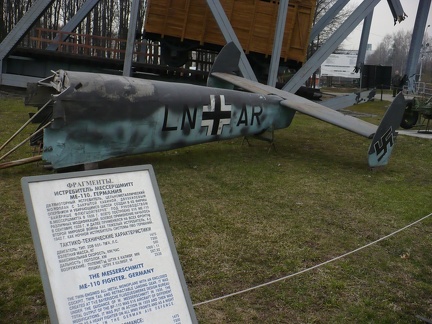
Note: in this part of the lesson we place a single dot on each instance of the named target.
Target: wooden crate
(254, 22)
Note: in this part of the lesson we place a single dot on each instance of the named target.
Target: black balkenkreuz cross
(216, 115)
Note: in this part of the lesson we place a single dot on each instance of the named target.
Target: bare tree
(426, 59)
(400, 48)
(109, 19)
(382, 55)
(393, 51)
(3, 31)
(322, 6)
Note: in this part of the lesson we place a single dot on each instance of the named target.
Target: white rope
(314, 267)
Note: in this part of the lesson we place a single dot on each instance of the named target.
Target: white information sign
(104, 248)
(340, 65)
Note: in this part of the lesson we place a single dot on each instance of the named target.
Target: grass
(241, 216)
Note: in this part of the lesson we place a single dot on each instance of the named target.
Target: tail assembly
(385, 136)
(227, 61)
(222, 76)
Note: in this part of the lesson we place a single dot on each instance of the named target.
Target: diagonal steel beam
(396, 10)
(230, 36)
(360, 13)
(327, 18)
(416, 42)
(277, 42)
(127, 63)
(73, 23)
(22, 27)
(363, 42)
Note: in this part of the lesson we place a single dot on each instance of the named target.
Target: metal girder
(277, 42)
(73, 23)
(360, 13)
(416, 42)
(127, 63)
(327, 18)
(22, 27)
(230, 36)
(363, 42)
(396, 10)
(19, 81)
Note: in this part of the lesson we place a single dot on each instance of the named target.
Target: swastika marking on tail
(384, 143)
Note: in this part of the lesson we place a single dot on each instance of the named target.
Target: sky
(382, 23)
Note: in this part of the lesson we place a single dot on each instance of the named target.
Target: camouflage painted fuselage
(108, 116)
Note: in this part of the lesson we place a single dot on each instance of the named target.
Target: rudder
(227, 61)
(384, 139)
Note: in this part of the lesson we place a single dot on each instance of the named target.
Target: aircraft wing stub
(304, 106)
(333, 117)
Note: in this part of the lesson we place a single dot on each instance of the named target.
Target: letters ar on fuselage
(214, 116)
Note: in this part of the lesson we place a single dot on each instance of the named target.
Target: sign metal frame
(37, 214)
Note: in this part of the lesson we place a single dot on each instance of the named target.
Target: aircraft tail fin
(227, 61)
(384, 138)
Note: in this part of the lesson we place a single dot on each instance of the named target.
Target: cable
(315, 266)
(24, 141)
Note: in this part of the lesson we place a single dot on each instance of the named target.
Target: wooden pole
(20, 162)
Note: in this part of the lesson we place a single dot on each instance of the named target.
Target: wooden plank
(253, 21)
(20, 162)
